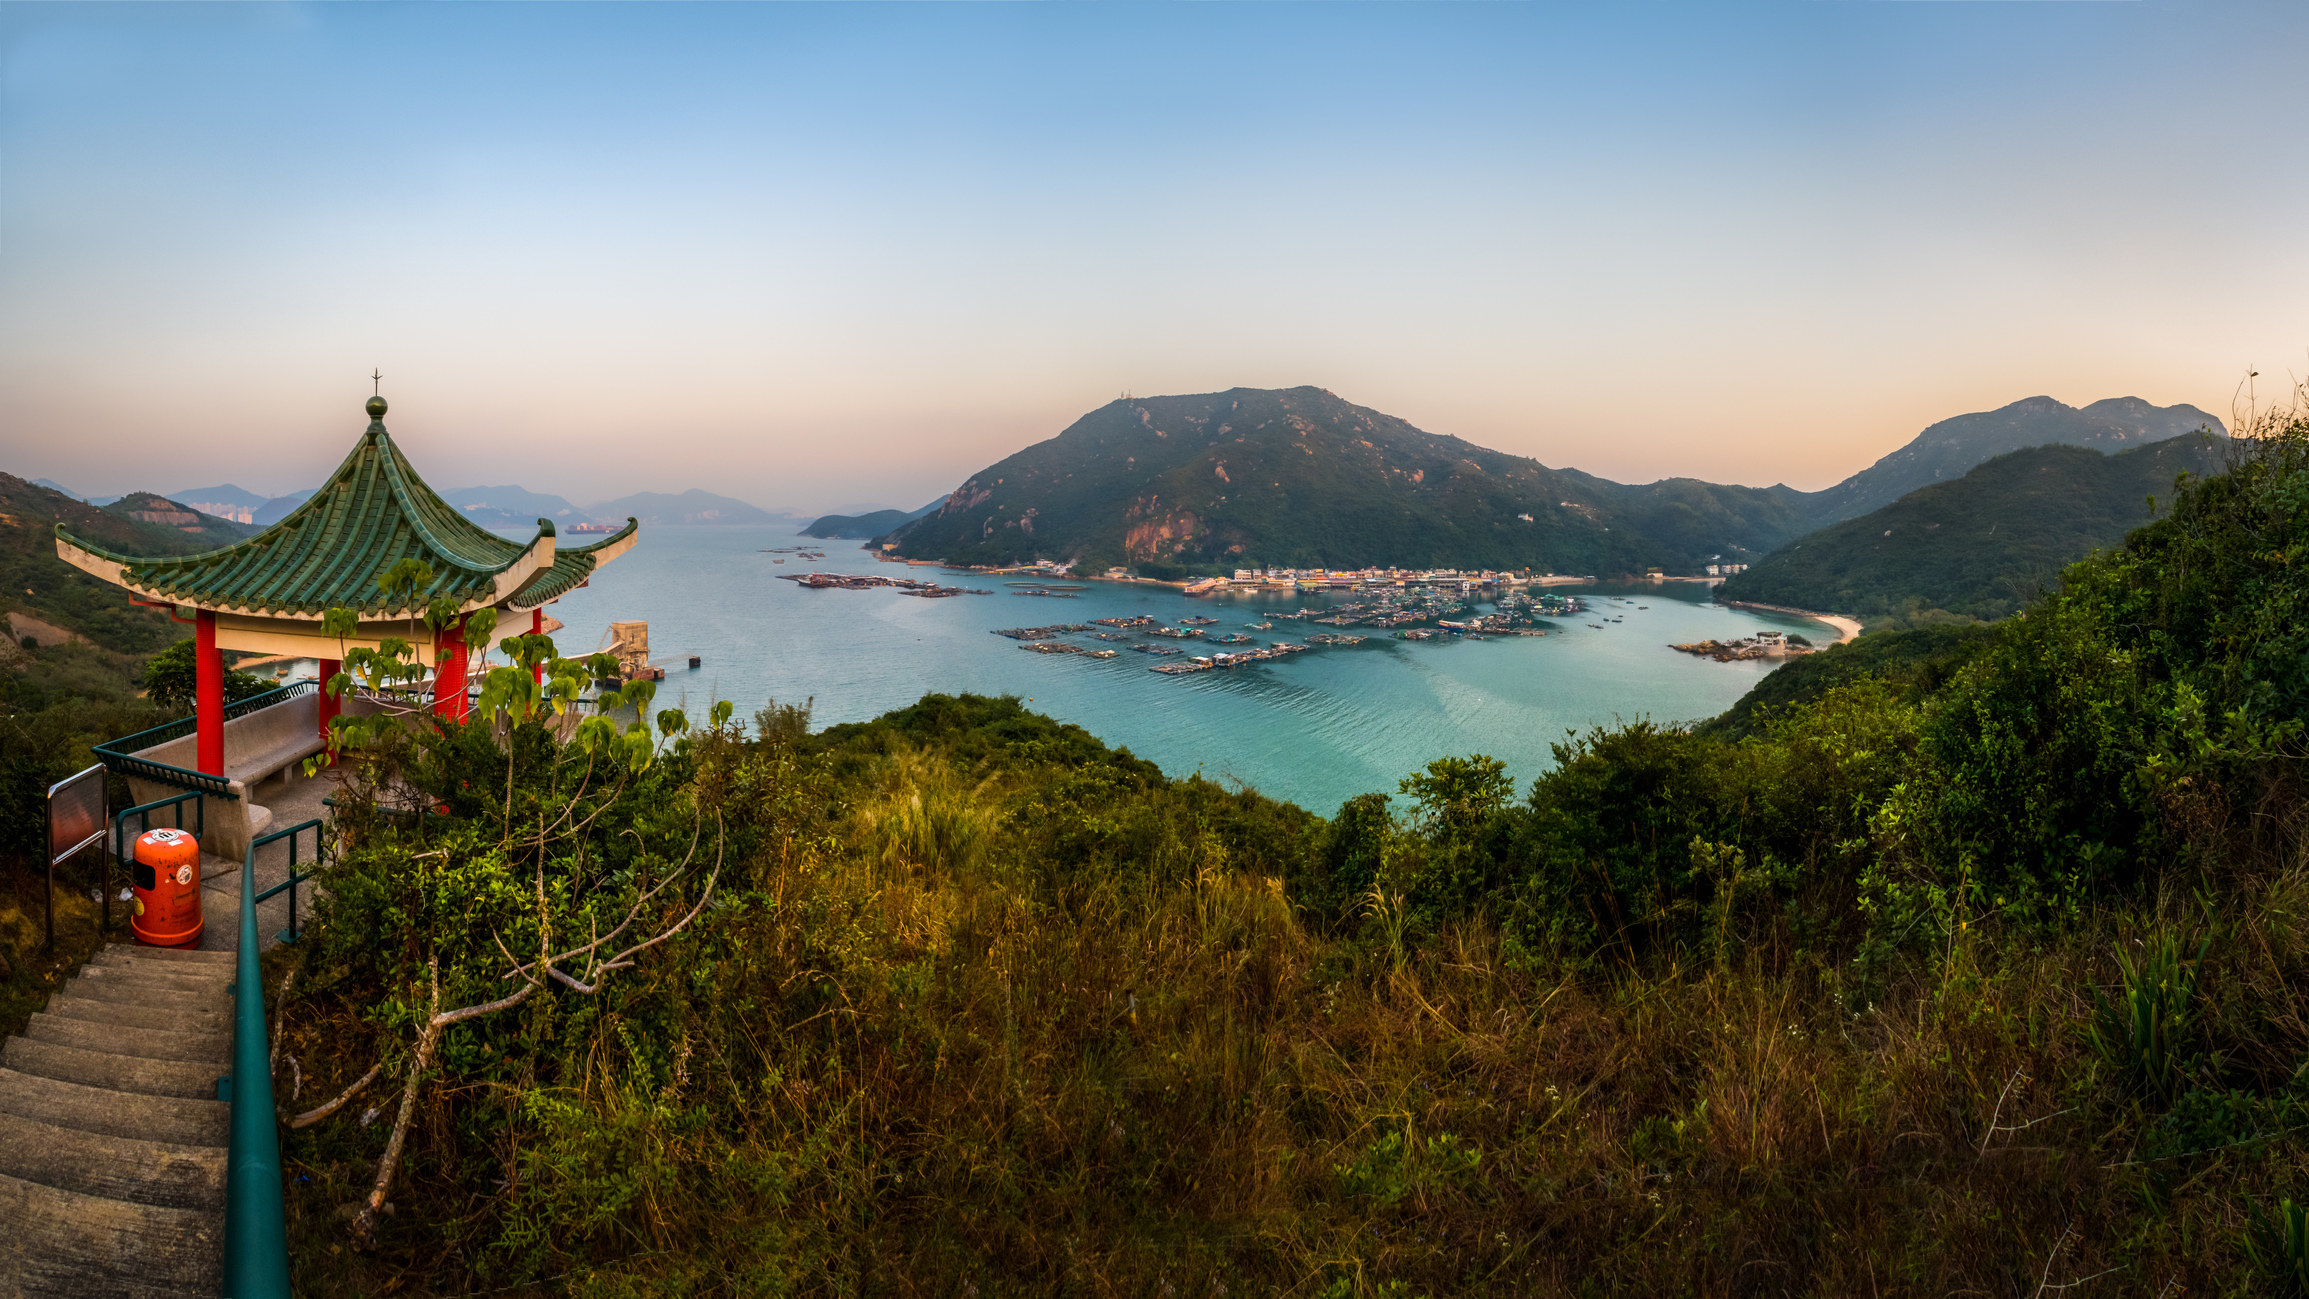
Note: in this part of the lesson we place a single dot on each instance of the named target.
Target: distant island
(861, 527)
(1300, 478)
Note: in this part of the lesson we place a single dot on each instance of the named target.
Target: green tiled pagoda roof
(373, 512)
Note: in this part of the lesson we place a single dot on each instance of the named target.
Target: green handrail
(256, 1233)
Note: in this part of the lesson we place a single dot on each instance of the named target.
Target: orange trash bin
(165, 875)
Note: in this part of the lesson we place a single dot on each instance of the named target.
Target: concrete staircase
(112, 1141)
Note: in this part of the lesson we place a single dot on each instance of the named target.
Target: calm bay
(1316, 728)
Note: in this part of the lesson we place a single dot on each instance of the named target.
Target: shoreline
(1847, 629)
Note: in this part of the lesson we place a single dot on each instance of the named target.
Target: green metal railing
(120, 755)
(256, 1236)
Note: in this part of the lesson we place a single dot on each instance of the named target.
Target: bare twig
(1998, 1112)
(315, 1115)
(2052, 1255)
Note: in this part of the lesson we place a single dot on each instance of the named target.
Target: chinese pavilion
(268, 594)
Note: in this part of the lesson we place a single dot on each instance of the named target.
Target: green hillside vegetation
(49, 589)
(1917, 660)
(1981, 546)
(56, 702)
(1298, 477)
(1979, 979)
(1946, 450)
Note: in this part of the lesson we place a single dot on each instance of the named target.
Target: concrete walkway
(293, 800)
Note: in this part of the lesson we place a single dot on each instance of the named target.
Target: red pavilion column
(207, 695)
(449, 672)
(330, 704)
(537, 628)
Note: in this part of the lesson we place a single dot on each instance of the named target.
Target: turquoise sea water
(1315, 728)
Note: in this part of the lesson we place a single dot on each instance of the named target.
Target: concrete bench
(257, 746)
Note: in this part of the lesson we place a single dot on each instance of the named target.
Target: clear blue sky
(816, 255)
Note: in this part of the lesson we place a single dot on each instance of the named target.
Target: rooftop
(373, 512)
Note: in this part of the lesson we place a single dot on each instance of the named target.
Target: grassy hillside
(39, 583)
(1981, 546)
(1985, 981)
(1950, 448)
(1298, 477)
(1918, 660)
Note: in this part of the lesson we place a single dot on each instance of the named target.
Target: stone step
(159, 974)
(202, 1121)
(62, 1242)
(116, 1168)
(143, 1043)
(112, 986)
(120, 1073)
(166, 961)
(126, 1015)
(179, 955)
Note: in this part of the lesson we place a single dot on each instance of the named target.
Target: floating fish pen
(1334, 638)
(1143, 620)
(1239, 660)
(1156, 649)
(1233, 638)
(1198, 622)
(857, 582)
(1176, 633)
(1061, 647)
(1040, 633)
(1417, 633)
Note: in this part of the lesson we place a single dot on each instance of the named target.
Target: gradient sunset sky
(815, 256)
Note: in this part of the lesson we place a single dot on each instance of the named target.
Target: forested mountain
(160, 511)
(860, 527)
(1981, 545)
(1953, 446)
(1299, 477)
(46, 587)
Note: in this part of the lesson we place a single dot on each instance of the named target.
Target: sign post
(75, 820)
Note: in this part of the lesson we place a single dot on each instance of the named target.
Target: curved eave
(534, 559)
(576, 565)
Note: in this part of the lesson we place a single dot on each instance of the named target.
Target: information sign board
(75, 813)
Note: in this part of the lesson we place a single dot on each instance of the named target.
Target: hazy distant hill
(33, 579)
(1297, 476)
(862, 527)
(1950, 448)
(692, 506)
(153, 508)
(513, 507)
(225, 501)
(277, 509)
(1981, 545)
